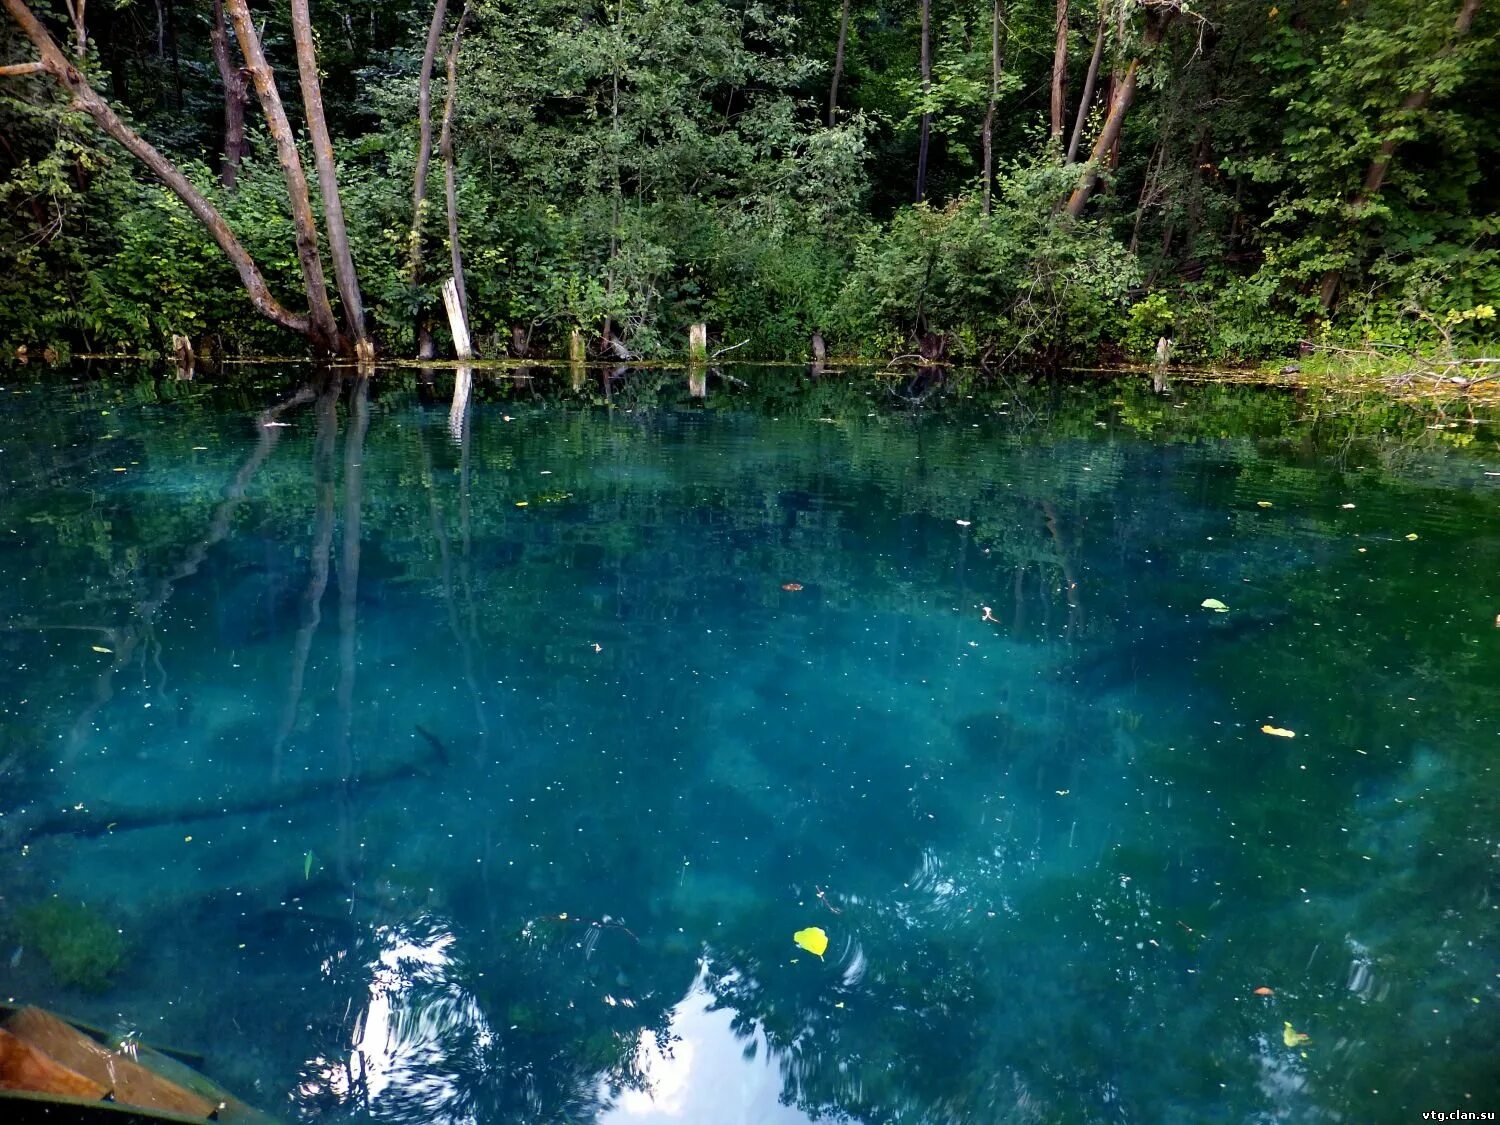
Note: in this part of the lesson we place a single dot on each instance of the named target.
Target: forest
(991, 182)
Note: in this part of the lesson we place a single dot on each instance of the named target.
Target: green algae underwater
(451, 748)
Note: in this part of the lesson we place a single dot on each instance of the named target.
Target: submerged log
(104, 819)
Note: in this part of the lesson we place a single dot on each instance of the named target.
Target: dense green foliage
(645, 164)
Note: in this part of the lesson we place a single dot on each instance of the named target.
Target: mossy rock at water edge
(82, 947)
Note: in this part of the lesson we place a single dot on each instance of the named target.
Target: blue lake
(440, 749)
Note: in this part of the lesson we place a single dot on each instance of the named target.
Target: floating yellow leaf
(1214, 604)
(1279, 732)
(1292, 1037)
(812, 939)
(101, 648)
(1413, 535)
(521, 503)
(1262, 503)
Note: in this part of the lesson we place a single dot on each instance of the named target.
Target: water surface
(465, 751)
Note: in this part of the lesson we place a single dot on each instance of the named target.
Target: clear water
(478, 764)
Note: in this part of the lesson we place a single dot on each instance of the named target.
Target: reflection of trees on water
(935, 1002)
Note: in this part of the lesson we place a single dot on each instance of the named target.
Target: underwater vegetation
(82, 947)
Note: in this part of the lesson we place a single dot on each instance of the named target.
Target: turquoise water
(477, 761)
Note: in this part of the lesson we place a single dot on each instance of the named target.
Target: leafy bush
(1019, 283)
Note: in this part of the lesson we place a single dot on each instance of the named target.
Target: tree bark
(1124, 95)
(450, 168)
(424, 142)
(171, 9)
(344, 273)
(76, 9)
(838, 65)
(1060, 72)
(1374, 180)
(325, 331)
(87, 99)
(236, 98)
(926, 64)
(1109, 136)
(997, 64)
(1089, 81)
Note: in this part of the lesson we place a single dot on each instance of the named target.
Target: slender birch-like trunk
(1089, 81)
(344, 273)
(450, 166)
(55, 63)
(236, 98)
(997, 64)
(326, 335)
(926, 65)
(838, 65)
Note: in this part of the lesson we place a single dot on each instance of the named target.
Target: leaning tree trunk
(55, 63)
(328, 182)
(838, 65)
(926, 64)
(1124, 95)
(1119, 105)
(450, 167)
(236, 97)
(1415, 102)
(1060, 72)
(997, 63)
(424, 143)
(1089, 81)
(326, 330)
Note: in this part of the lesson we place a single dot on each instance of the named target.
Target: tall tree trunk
(87, 99)
(607, 330)
(1060, 72)
(1119, 106)
(76, 9)
(926, 64)
(328, 183)
(450, 167)
(1089, 81)
(176, 55)
(424, 142)
(997, 64)
(1124, 95)
(326, 335)
(838, 65)
(236, 98)
(1415, 102)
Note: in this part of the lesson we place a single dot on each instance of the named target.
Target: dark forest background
(976, 181)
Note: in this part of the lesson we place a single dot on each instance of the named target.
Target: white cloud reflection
(705, 1072)
(410, 1040)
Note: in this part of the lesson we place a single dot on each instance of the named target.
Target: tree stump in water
(457, 323)
(182, 355)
